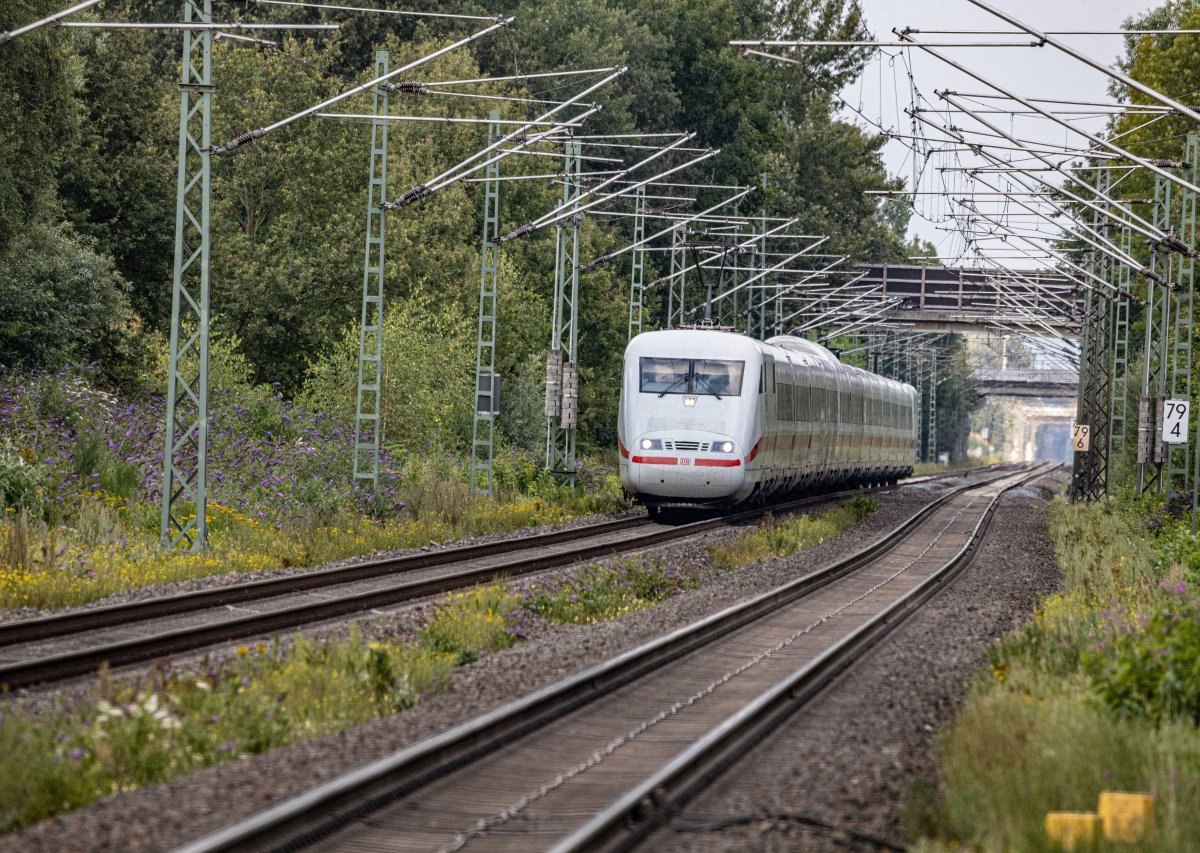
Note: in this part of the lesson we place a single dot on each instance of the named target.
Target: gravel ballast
(838, 773)
(166, 815)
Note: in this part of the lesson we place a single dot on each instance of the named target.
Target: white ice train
(716, 418)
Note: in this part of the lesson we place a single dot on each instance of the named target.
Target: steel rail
(75, 621)
(311, 815)
(645, 805)
(56, 667)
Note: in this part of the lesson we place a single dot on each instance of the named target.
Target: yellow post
(1126, 817)
(1071, 829)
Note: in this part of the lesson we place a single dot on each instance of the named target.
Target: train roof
(809, 351)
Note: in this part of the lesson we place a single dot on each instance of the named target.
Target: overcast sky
(884, 89)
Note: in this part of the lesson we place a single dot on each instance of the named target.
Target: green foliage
(118, 183)
(125, 737)
(472, 623)
(21, 483)
(61, 303)
(1097, 693)
(1098, 547)
(37, 120)
(428, 376)
(781, 537)
(609, 590)
(1153, 666)
(1012, 757)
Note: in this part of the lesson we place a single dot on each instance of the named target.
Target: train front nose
(682, 465)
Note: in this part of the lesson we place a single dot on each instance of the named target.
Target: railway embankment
(1100, 691)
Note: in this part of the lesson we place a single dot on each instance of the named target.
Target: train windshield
(692, 376)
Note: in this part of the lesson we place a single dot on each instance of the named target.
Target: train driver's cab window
(665, 375)
(723, 378)
(691, 376)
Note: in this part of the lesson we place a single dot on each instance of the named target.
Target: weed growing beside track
(258, 698)
(172, 722)
(1101, 691)
(80, 485)
(781, 537)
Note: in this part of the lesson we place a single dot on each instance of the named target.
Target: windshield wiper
(667, 390)
(700, 378)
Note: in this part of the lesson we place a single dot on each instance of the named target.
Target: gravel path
(163, 816)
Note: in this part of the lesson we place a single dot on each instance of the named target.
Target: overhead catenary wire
(460, 171)
(252, 135)
(1139, 224)
(573, 208)
(51, 19)
(375, 11)
(202, 27)
(749, 242)
(1119, 76)
(1175, 179)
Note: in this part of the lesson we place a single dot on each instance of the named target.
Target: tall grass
(124, 736)
(111, 544)
(1081, 699)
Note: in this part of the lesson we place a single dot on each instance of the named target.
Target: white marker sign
(1175, 421)
(1081, 437)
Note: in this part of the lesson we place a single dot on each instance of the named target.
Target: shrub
(1153, 667)
(605, 591)
(21, 484)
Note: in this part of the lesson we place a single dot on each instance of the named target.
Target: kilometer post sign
(1175, 421)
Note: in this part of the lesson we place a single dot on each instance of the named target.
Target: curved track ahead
(622, 742)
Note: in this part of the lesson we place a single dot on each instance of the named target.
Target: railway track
(621, 744)
(75, 643)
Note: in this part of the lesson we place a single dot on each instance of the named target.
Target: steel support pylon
(368, 412)
(185, 453)
(728, 313)
(1120, 351)
(676, 282)
(483, 429)
(933, 411)
(637, 274)
(562, 371)
(1151, 451)
(1089, 479)
(1181, 270)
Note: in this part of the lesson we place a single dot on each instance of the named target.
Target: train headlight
(651, 444)
(689, 402)
(723, 447)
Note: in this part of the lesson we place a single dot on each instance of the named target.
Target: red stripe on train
(754, 451)
(656, 460)
(718, 463)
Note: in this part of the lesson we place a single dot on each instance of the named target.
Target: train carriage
(716, 418)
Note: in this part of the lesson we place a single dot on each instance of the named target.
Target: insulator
(415, 194)
(1177, 245)
(238, 141)
(408, 87)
